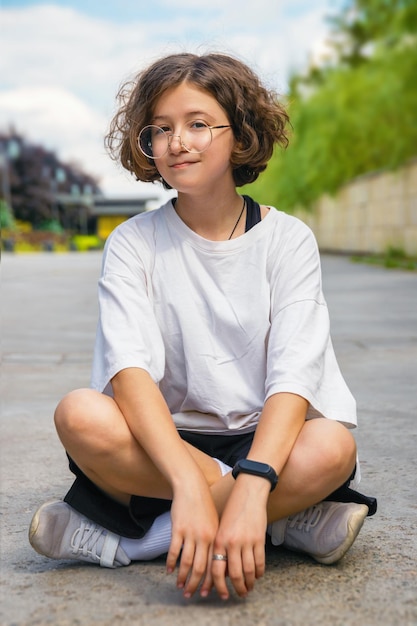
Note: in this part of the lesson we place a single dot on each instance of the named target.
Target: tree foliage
(6, 216)
(354, 115)
(33, 181)
(382, 23)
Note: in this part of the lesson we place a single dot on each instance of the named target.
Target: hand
(241, 536)
(194, 526)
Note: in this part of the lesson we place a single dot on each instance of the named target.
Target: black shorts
(228, 448)
(134, 521)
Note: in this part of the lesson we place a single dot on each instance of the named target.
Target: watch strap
(255, 468)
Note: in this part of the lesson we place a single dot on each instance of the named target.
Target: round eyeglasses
(154, 141)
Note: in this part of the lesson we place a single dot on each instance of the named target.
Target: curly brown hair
(257, 118)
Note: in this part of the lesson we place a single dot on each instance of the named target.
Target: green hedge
(358, 120)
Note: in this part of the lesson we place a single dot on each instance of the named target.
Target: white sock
(155, 543)
(225, 469)
(276, 531)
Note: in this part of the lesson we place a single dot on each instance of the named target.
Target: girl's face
(178, 109)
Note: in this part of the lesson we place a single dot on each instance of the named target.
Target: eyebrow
(189, 114)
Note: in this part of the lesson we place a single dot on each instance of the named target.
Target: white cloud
(54, 116)
(61, 69)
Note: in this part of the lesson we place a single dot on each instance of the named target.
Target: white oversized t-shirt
(219, 325)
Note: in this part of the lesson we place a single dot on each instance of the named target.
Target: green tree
(354, 115)
(6, 216)
(381, 23)
(34, 180)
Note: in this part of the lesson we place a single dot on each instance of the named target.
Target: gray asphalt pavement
(48, 321)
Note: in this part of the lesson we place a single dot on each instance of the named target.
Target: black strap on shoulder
(253, 213)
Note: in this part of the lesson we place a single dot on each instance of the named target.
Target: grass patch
(393, 258)
(83, 243)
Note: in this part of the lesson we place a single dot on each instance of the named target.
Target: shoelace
(85, 538)
(306, 519)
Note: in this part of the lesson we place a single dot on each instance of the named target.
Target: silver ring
(219, 557)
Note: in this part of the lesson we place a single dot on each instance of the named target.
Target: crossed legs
(95, 434)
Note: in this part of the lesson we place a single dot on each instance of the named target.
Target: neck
(215, 218)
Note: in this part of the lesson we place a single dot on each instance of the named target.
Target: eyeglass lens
(155, 141)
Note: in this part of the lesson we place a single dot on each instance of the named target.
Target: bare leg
(322, 459)
(95, 434)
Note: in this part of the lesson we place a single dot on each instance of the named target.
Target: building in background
(48, 204)
(107, 213)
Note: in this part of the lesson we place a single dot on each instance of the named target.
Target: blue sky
(119, 11)
(63, 61)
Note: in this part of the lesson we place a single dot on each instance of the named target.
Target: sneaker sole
(354, 525)
(34, 525)
(42, 542)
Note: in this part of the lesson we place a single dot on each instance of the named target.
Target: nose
(175, 144)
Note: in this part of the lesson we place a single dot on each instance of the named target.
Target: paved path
(49, 315)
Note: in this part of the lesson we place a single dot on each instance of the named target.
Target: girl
(212, 354)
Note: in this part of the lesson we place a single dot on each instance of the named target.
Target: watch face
(259, 468)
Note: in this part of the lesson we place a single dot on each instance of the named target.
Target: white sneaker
(324, 531)
(60, 532)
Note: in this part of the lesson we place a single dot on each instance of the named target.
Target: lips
(181, 164)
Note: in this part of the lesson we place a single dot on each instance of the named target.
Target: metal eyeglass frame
(170, 136)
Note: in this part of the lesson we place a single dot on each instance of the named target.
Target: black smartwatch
(245, 466)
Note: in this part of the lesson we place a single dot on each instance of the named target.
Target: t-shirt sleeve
(127, 333)
(300, 356)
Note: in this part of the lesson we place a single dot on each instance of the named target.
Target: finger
(186, 563)
(248, 564)
(236, 575)
(199, 568)
(218, 573)
(173, 552)
(259, 554)
(207, 585)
